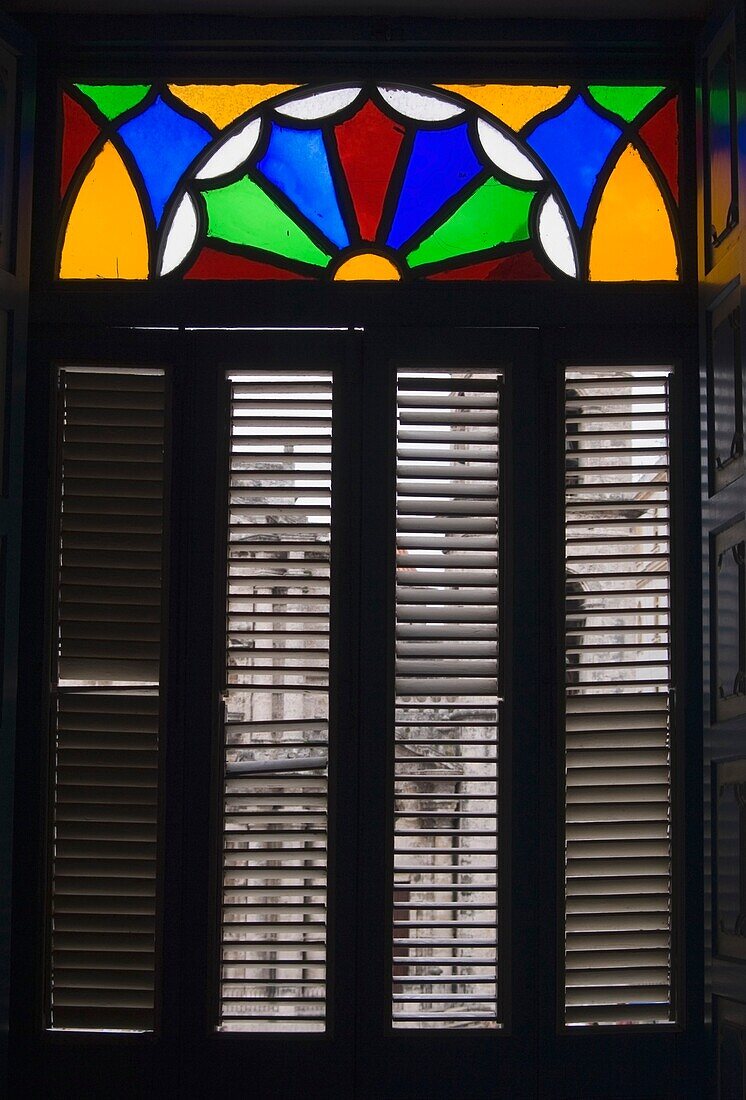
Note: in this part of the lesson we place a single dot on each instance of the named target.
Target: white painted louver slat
(273, 954)
(107, 710)
(446, 704)
(618, 697)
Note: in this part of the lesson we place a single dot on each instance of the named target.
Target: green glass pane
(627, 101)
(494, 214)
(113, 100)
(244, 214)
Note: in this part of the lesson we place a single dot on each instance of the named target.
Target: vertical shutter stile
(274, 953)
(446, 700)
(106, 715)
(618, 697)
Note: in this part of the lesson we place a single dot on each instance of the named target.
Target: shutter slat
(617, 726)
(445, 800)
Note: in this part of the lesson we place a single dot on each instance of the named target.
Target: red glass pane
(211, 264)
(522, 265)
(368, 145)
(661, 135)
(78, 134)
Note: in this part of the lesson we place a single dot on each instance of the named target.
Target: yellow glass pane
(106, 236)
(224, 102)
(513, 104)
(367, 266)
(632, 236)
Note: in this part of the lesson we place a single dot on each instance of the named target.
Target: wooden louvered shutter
(274, 912)
(106, 714)
(618, 697)
(447, 703)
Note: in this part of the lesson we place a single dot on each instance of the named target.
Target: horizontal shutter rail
(261, 845)
(446, 435)
(409, 593)
(245, 441)
(271, 405)
(409, 453)
(413, 634)
(287, 930)
(246, 463)
(446, 764)
(446, 960)
(655, 603)
(604, 424)
(631, 737)
(618, 649)
(609, 473)
(452, 471)
(447, 697)
(645, 405)
(597, 589)
(632, 450)
(250, 959)
(438, 906)
(650, 532)
(419, 398)
(432, 416)
(460, 525)
(106, 715)
(278, 559)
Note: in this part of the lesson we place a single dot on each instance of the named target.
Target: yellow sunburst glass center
(367, 266)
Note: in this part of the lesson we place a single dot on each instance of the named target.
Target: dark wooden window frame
(94, 323)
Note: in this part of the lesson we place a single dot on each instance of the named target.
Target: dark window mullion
(190, 717)
(377, 553)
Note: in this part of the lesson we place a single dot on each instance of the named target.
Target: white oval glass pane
(555, 237)
(505, 154)
(320, 105)
(181, 236)
(231, 152)
(424, 108)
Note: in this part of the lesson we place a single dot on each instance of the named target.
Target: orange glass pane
(105, 237)
(632, 236)
(224, 102)
(513, 104)
(366, 266)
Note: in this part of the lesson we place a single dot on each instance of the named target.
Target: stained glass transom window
(365, 182)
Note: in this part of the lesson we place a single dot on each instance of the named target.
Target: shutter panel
(618, 697)
(446, 705)
(111, 526)
(107, 712)
(273, 975)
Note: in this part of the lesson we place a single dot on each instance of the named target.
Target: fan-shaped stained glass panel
(369, 182)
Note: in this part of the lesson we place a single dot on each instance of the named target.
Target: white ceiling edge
(493, 9)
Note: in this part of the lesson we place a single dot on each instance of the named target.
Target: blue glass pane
(441, 163)
(574, 146)
(164, 144)
(296, 163)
